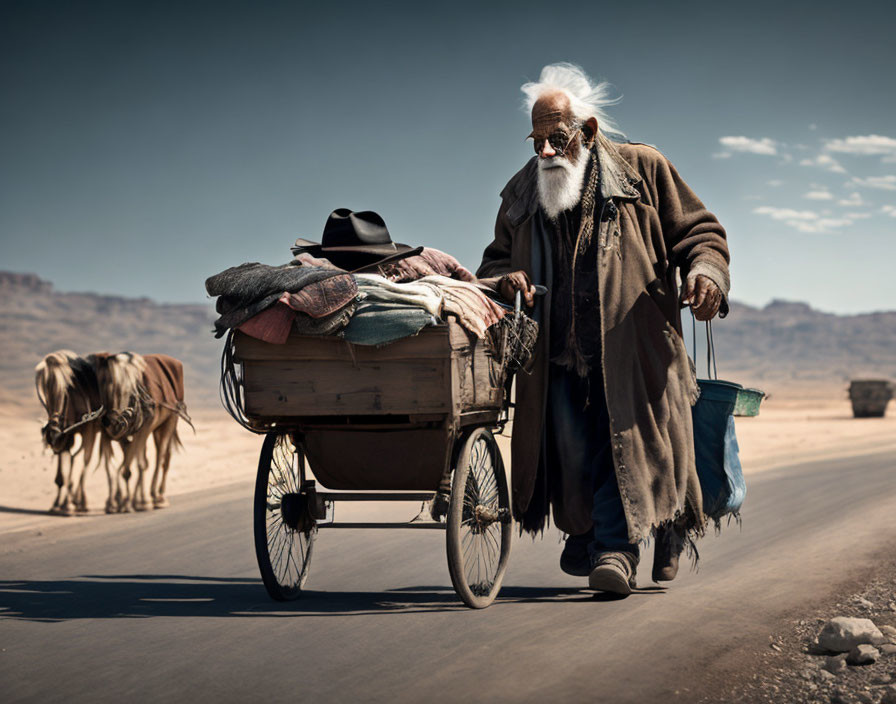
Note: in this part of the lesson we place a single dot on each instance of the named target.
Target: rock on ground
(889, 696)
(863, 655)
(835, 664)
(842, 634)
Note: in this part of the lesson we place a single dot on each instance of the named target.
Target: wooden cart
(411, 420)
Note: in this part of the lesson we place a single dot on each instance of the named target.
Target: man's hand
(509, 284)
(704, 297)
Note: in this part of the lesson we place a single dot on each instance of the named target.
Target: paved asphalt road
(167, 606)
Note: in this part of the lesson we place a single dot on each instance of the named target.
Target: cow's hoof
(124, 507)
(111, 506)
(55, 510)
(142, 506)
(82, 510)
(67, 510)
(161, 502)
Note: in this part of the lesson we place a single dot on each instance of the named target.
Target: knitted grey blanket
(245, 290)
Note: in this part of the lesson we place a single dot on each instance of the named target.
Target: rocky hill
(788, 346)
(784, 348)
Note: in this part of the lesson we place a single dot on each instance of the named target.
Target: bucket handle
(712, 371)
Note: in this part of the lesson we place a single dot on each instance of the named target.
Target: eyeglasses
(559, 142)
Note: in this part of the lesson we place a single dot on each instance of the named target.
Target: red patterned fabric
(272, 324)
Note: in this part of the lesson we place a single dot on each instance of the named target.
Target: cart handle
(518, 299)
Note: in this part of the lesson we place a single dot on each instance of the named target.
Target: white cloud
(785, 213)
(826, 223)
(819, 195)
(854, 200)
(764, 145)
(889, 210)
(802, 220)
(721, 155)
(857, 216)
(886, 183)
(775, 183)
(821, 225)
(826, 162)
(869, 145)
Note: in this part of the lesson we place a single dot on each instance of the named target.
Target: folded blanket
(246, 290)
(438, 295)
(375, 287)
(379, 322)
(474, 310)
(430, 262)
(275, 323)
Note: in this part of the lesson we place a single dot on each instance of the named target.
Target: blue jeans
(580, 457)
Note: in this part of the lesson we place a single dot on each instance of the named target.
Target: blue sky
(147, 145)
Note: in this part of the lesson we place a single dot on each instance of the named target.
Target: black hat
(355, 238)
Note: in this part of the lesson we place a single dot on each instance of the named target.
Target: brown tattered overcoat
(648, 223)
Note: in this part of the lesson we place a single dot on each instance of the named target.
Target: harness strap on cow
(181, 409)
(86, 418)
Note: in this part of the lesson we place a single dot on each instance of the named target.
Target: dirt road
(168, 605)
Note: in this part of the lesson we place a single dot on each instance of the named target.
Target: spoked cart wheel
(284, 529)
(479, 521)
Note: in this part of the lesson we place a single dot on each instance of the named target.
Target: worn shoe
(614, 572)
(668, 546)
(574, 559)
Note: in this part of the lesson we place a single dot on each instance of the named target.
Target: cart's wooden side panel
(327, 387)
(461, 377)
(318, 376)
(442, 370)
(432, 342)
(485, 382)
(475, 371)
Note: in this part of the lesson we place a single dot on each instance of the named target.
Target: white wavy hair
(588, 99)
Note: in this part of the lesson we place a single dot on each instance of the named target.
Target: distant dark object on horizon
(870, 397)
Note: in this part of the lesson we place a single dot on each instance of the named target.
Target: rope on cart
(231, 388)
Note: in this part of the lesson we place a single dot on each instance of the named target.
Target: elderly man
(602, 431)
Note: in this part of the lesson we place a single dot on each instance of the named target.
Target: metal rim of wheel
(283, 550)
(479, 521)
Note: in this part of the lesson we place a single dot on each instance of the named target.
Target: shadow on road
(147, 596)
(29, 511)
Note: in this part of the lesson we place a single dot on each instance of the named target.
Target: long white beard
(560, 183)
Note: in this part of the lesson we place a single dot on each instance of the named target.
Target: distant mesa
(27, 282)
(780, 305)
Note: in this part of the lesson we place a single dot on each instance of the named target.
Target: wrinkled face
(555, 133)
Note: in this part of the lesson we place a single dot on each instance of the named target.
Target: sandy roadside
(222, 453)
(793, 431)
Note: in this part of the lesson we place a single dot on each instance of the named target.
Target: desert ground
(788, 430)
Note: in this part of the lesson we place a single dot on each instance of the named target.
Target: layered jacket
(649, 224)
